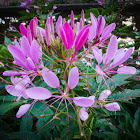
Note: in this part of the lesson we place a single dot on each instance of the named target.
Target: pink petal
(38, 93)
(25, 46)
(107, 31)
(11, 90)
(30, 64)
(93, 20)
(36, 20)
(17, 54)
(83, 101)
(34, 50)
(82, 38)
(22, 110)
(29, 34)
(40, 35)
(97, 54)
(112, 106)
(83, 114)
(111, 49)
(104, 94)
(42, 30)
(119, 55)
(50, 78)
(78, 28)
(92, 33)
(100, 25)
(83, 16)
(67, 35)
(72, 19)
(58, 23)
(127, 70)
(33, 26)
(11, 73)
(73, 78)
(99, 71)
(51, 24)
(47, 34)
(23, 29)
(125, 57)
(92, 98)
(17, 44)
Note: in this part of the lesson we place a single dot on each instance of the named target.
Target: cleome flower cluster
(66, 42)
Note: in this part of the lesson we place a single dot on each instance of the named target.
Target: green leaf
(127, 95)
(118, 79)
(23, 135)
(7, 98)
(8, 106)
(26, 123)
(7, 40)
(136, 124)
(94, 11)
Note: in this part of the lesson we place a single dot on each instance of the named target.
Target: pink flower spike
(81, 38)
(112, 106)
(83, 114)
(35, 51)
(97, 54)
(38, 93)
(50, 78)
(17, 54)
(111, 49)
(22, 110)
(73, 78)
(23, 29)
(104, 94)
(25, 46)
(127, 70)
(100, 25)
(72, 19)
(67, 35)
(83, 101)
